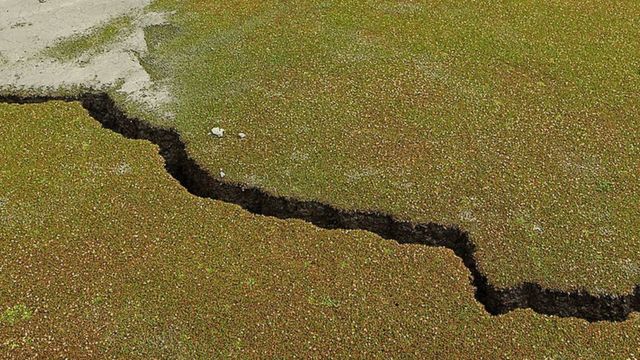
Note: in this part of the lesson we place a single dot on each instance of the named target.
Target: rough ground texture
(29, 29)
(508, 120)
(104, 255)
(517, 122)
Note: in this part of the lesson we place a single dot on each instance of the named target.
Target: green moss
(94, 42)
(136, 267)
(415, 108)
(15, 314)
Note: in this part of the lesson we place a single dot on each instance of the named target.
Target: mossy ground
(92, 43)
(517, 121)
(103, 254)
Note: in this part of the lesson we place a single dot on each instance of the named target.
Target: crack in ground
(496, 301)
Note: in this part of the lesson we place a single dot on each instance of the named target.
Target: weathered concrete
(28, 27)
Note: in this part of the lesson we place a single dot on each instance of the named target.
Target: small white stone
(222, 174)
(242, 135)
(217, 132)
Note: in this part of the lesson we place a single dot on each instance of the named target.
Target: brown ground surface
(103, 254)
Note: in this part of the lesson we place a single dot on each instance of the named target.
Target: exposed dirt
(199, 182)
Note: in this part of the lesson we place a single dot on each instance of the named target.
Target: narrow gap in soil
(496, 301)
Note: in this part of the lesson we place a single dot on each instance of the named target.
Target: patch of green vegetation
(604, 186)
(329, 302)
(411, 108)
(389, 251)
(251, 282)
(155, 36)
(94, 42)
(141, 241)
(15, 314)
(98, 300)
(325, 300)
(11, 344)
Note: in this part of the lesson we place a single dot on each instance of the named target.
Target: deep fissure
(579, 304)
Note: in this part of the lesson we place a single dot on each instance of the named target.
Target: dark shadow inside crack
(198, 181)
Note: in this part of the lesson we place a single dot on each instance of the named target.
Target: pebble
(222, 174)
(217, 132)
(242, 135)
